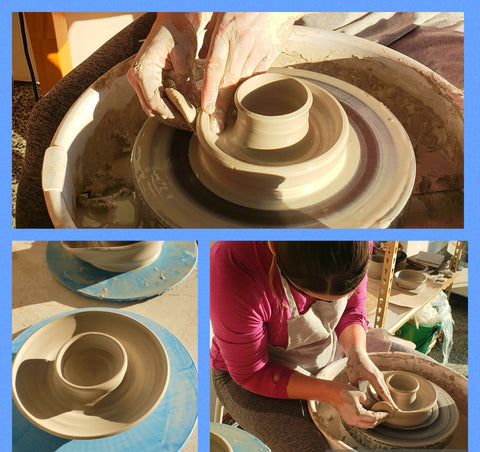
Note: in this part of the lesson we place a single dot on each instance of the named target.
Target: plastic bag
(438, 310)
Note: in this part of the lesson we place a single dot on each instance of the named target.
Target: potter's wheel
(367, 187)
(435, 432)
(454, 385)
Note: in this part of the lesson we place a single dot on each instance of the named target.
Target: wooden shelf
(403, 304)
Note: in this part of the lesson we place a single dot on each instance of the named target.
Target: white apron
(312, 342)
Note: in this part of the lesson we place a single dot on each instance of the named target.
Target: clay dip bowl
(116, 256)
(403, 388)
(89, 367)
(272, 111)
(410, 279)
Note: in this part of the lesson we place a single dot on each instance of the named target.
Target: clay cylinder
(272, 111)
(403, 388)
(88, 367)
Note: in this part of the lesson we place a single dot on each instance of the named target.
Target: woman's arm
(241, 315)
(353, 340)
(355, 312)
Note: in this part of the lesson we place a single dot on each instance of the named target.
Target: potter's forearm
(353, 337)
(310, 388)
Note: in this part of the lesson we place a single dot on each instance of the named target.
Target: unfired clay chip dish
(140, 391)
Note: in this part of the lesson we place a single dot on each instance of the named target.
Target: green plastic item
(422, 336)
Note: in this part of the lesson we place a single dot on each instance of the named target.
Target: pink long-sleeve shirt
(246, 316)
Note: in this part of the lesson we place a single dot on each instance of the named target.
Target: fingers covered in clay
(240, 45)
(166, 58)
(184, 107)
(361, 367)
(350, 405)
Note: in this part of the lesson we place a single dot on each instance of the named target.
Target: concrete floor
(37, 295)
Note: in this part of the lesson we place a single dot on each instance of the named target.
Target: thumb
(362, 398)
(381, 416)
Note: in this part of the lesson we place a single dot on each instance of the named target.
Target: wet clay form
(415, 397)
(304, 150)
(116, 256)
(90, 374)
(175, 262)
(409, 279)
(88, 368)
(403, 388)
(219, 444)
(427, 418)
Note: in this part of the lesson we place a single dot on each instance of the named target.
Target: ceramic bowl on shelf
(410, 279)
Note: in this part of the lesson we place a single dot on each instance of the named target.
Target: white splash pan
(328, 421)
(62, 177)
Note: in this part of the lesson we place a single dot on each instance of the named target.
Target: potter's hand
(165, 60)
(239, 45)
(349, 402)
(361, 367)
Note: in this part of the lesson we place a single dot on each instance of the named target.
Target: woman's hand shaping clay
(361, 367)
(166, 60)
(239, 45)
(348, 401)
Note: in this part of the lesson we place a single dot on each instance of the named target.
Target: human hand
(349, 402)
(361, 367)
(239, 45)
(166, 60)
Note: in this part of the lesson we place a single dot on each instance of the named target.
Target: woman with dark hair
(280, 312)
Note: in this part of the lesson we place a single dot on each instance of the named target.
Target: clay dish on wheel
(403, 388)
(116, 256)
(284, 146)
(35, 388)
(420, 411)
(434, 433)
(354, 167)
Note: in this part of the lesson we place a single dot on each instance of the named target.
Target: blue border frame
(472, 165)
